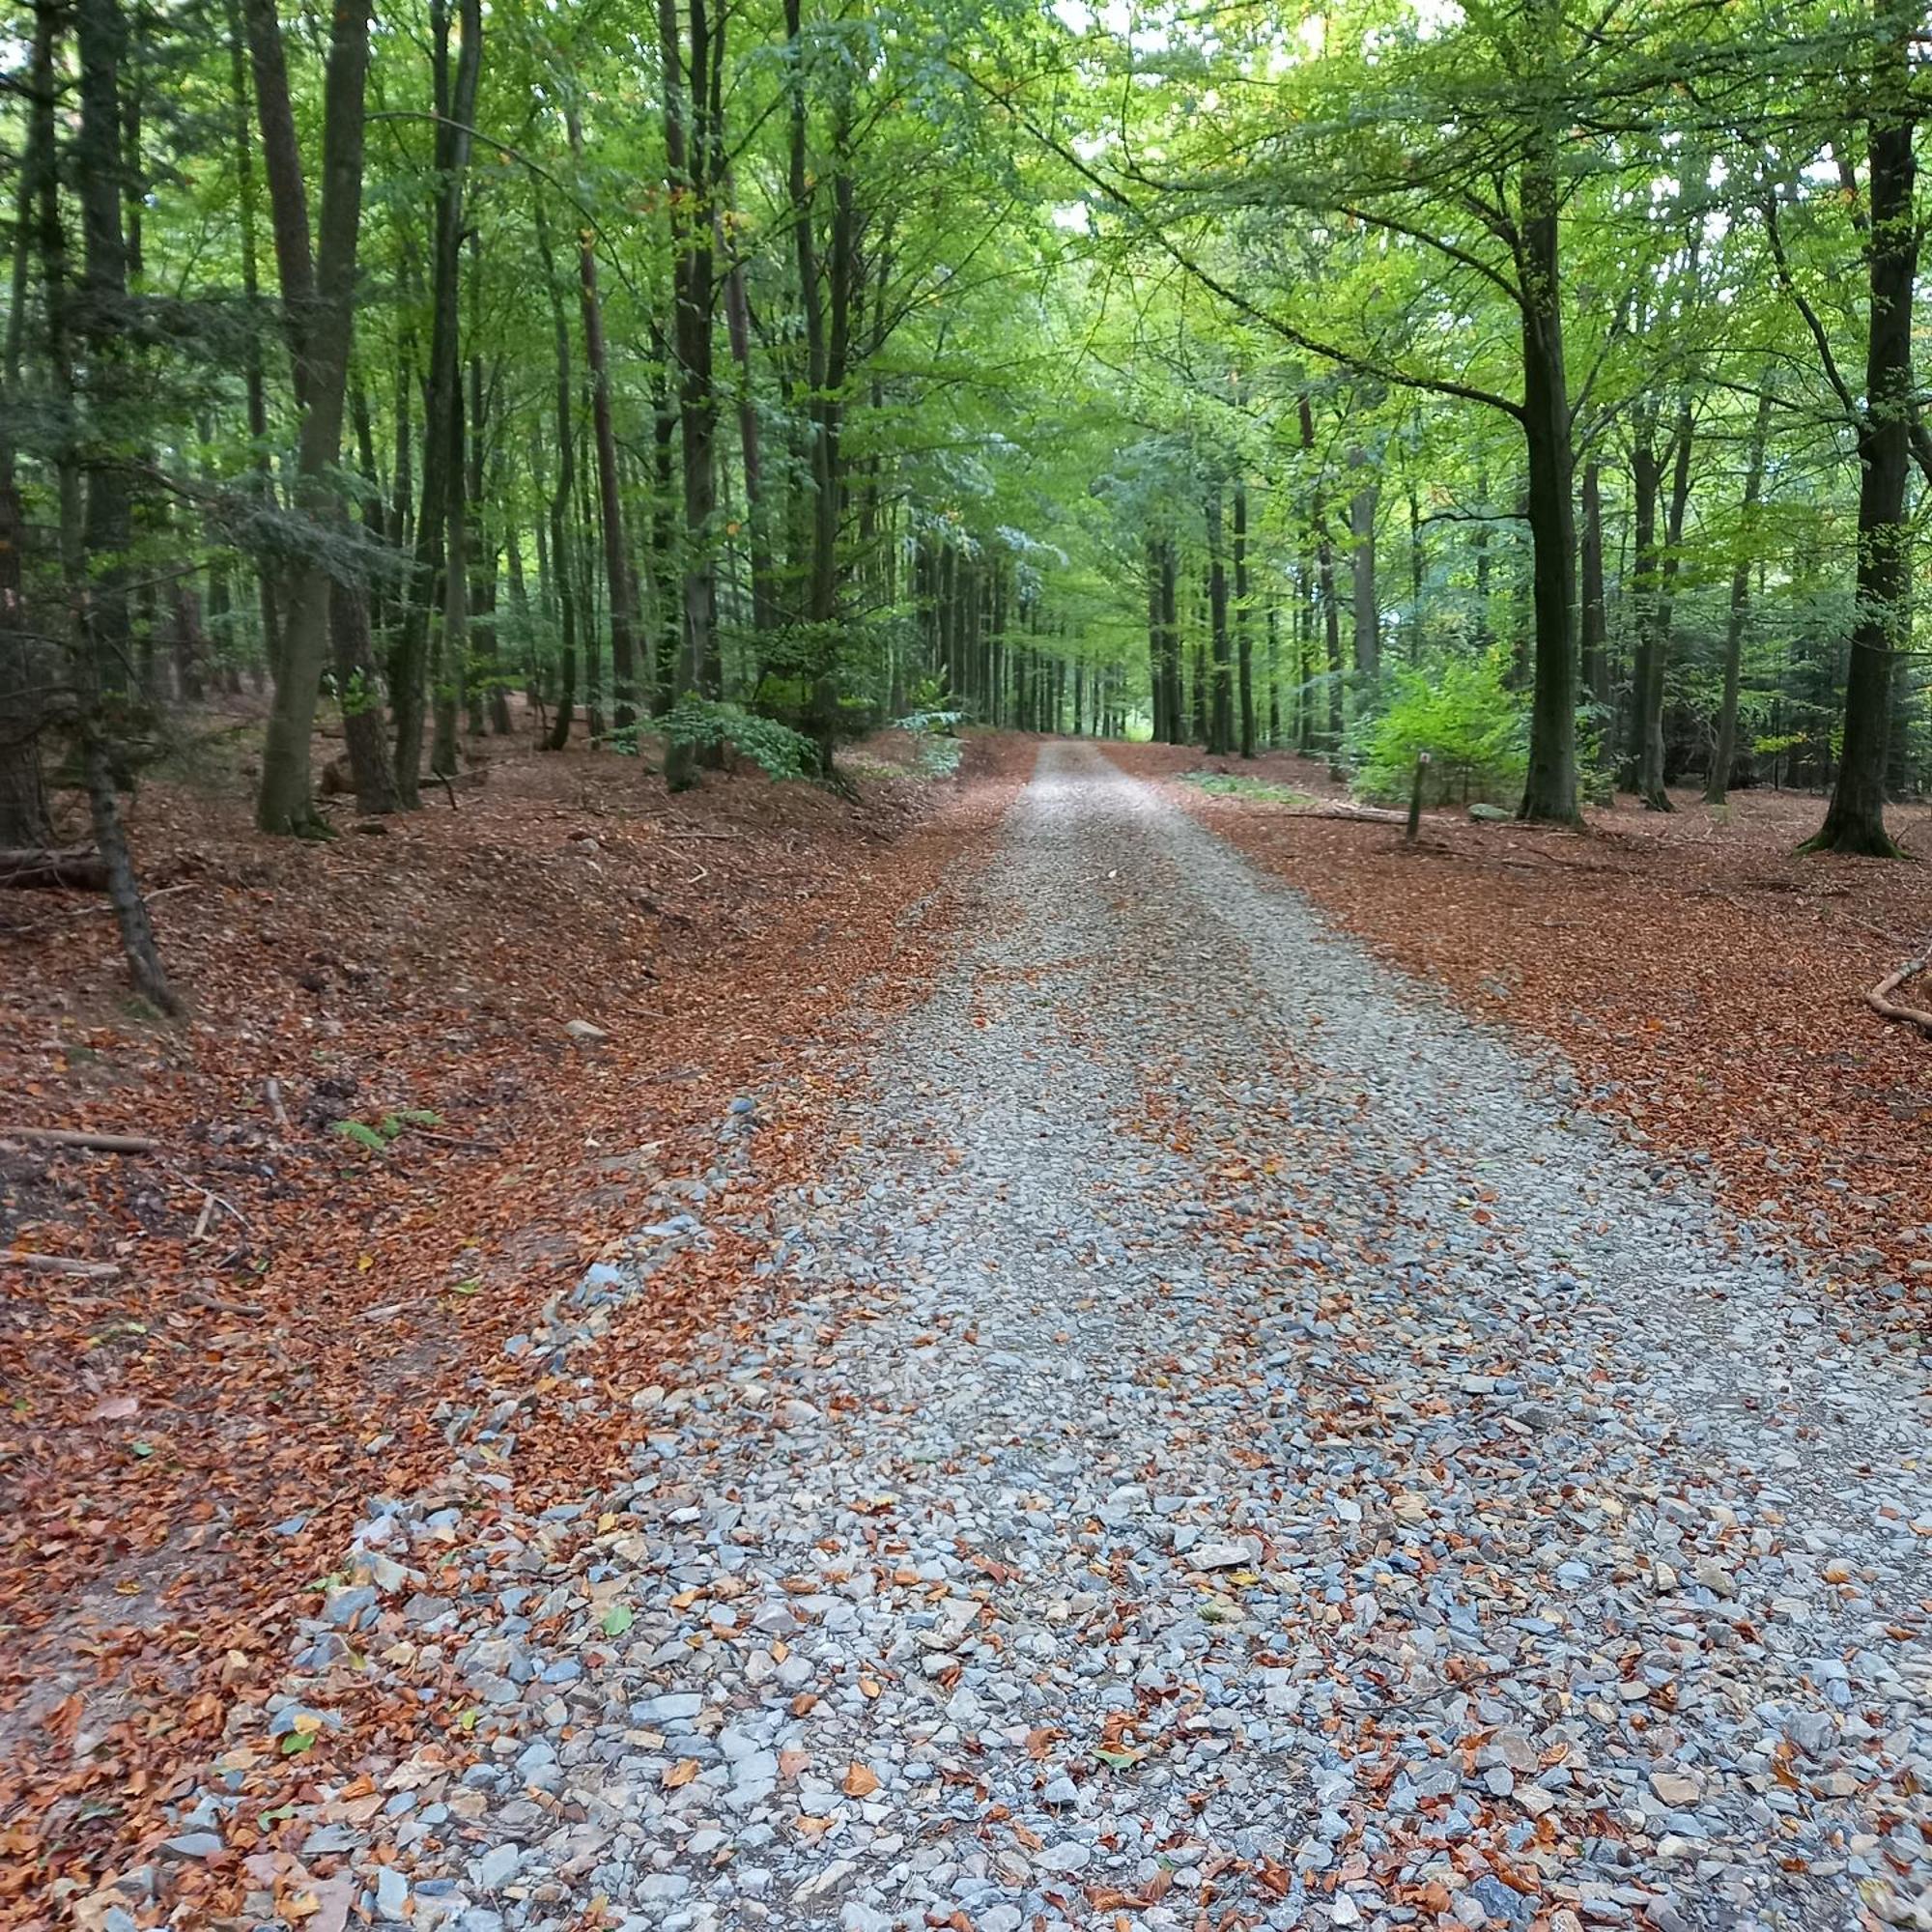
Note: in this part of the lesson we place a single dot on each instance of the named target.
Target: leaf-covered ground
(183, 1446)
(1693, 965)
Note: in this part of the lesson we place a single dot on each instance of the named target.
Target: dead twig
(70, 1137)
(271, 1092)
(215, 1304)
(451, 1140)
(33, 1264)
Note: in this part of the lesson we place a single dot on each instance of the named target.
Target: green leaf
(617, 1619)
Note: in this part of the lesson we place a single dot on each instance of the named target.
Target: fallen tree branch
(35, 1263)
(80, 1138)
(1361, 815)
(80, 868)
(1881, 1002)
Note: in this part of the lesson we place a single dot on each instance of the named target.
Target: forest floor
(1219, 1439)
(1146, 1413)
(1701, 975)
(184, 1445)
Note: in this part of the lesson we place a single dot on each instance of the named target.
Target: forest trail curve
(1243, 1448)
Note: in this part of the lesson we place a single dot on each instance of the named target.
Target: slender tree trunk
(557, 575)
(688, 156)
(1244, 642)
(1221, 706)
(1157, 643)
(254, 386)
(1170, 631)
(25, 666)
(621, 587)
(95, 150)
(1362, 558)
(442, 409)
(1725, 753)
(1595, 621)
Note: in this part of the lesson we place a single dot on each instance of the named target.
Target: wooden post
(1416, 798)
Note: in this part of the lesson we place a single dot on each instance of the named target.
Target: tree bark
(1244, 642)
(1550, 790)
(622, 584)
(688, 152)
(1595, 621)
(1362, 560)
(440, 487)
(1854, 820)
(558, 577)
(1221, 701)
(1725, 751)
(318, 304)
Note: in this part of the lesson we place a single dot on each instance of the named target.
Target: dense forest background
(1529, 385)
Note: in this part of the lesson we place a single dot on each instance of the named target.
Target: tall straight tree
(440, 504)
(694, 151)
(319, 314)
(620, 581)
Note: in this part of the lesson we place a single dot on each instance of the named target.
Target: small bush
(1460, 711)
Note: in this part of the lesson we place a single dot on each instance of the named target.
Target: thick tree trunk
(1550, 790)
(1882, 627)
(317, 300)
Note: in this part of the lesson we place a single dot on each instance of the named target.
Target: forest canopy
(1535, 381)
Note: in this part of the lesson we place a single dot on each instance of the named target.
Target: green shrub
(704, 726)
(1460, 712)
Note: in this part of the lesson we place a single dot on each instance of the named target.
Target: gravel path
(1241, 1450)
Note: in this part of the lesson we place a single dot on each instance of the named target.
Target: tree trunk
(1882, 627)
(1596, 626)
(441, 489)
(622, 586)
(318, 302)
(1170, 629)
(24, 669)
(96, 147)
(689, 153)
(1221, 704)
(1362, 558)
(1550, 790)
(558, 577)
(1244, 642)
(1723, 754)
